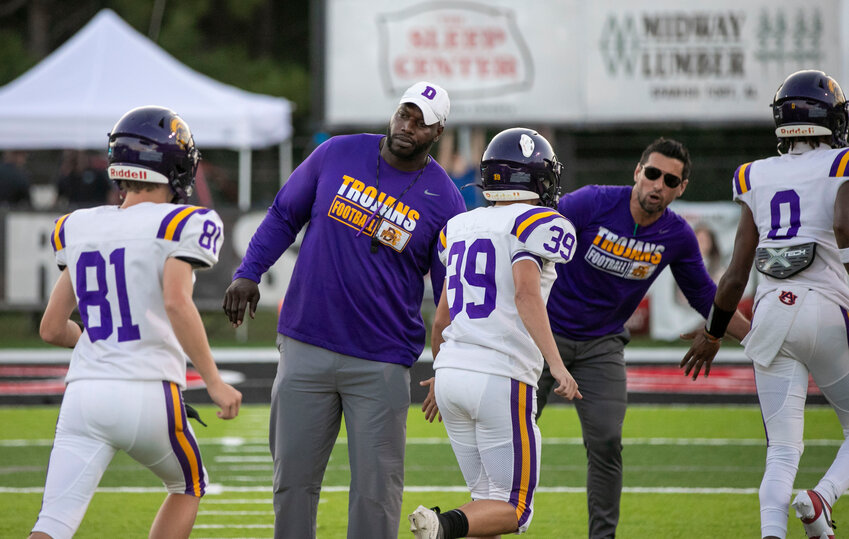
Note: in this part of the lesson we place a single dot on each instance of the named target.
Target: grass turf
(675, 457)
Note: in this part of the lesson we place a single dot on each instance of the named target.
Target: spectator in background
(83, 181)
(14, 180)
(461, 159)
(709, 248)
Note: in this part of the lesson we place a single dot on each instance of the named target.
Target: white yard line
(214, 490)
(233, 443)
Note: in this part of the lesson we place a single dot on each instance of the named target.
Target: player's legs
(165, 443)
(175, 518)
(829, 367)
(782, 389)
(306, 414)
(375, 400)
(490, 422)
(599, 368)
(77, 462)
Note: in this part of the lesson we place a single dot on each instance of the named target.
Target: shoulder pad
(742, 184)
(528, 221)
(173, 223)
(58, 237)
(840, 166)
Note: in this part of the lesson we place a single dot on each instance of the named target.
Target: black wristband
(717, 321)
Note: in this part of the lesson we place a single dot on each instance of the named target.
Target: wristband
(844, 255)
(710, 338)
(717, 321)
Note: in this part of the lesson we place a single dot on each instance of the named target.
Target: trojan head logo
(787, 298)
(390, 235)
(180, 133)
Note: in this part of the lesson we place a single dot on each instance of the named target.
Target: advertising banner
(569, 62)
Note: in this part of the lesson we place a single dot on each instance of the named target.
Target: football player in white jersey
(491, 335)
(794, 226)
(129, 271)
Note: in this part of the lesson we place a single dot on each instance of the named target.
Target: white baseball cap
(431, 99)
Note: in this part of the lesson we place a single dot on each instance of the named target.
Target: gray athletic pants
(313, 388)
(599, 368)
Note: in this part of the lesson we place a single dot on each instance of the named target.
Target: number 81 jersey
(115, 258)
(479, 249)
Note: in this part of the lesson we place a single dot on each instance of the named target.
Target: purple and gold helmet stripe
(840, 165)
(524, 450)
(183, 442)
(173, 223)
(58, 237)
(528, 221)
(741, 179)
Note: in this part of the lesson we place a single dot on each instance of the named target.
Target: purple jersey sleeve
(289, 212)
(691, 275)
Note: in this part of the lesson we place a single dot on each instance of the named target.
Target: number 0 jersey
(479, 249)
(792, 200)
(116, 259)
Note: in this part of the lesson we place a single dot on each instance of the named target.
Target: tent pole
(245, 179)
(285, 160)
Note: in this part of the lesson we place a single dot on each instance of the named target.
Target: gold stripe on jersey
(533, 219)
(180, 434)
(743, 178)
(442, 240)
(177, 219)
(58, 244)
(839, 167)
(524, 483)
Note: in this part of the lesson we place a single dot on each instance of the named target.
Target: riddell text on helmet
(127, 173)
(801, 131)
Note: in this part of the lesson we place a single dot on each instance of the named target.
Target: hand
(429, 407)
(690, 335)
(227, 397)
(241, 293)
(700, 354)
(567, 386)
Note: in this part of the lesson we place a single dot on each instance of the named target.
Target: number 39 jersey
(479, 249)
(792, 201)
(116, 259)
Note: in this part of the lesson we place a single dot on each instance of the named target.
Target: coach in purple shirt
(351, 325)
(626, 237)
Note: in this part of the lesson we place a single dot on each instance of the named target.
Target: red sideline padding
(723, 380)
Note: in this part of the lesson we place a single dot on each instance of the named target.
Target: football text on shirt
(629, 258)
(383, 216)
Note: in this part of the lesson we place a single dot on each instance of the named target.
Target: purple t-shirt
(343, 297)
(615, 263)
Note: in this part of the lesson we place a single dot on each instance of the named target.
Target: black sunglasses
(671, 180)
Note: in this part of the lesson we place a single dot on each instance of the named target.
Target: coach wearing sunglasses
(626, 237)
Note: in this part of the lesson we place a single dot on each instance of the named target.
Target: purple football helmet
(810, 104)
(519, 164)
(153, 144)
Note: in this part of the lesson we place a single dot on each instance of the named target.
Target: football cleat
(424, 523)
(815, 515)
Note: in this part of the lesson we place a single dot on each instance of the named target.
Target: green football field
(690, 471)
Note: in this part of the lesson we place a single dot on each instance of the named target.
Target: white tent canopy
(75, 95)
